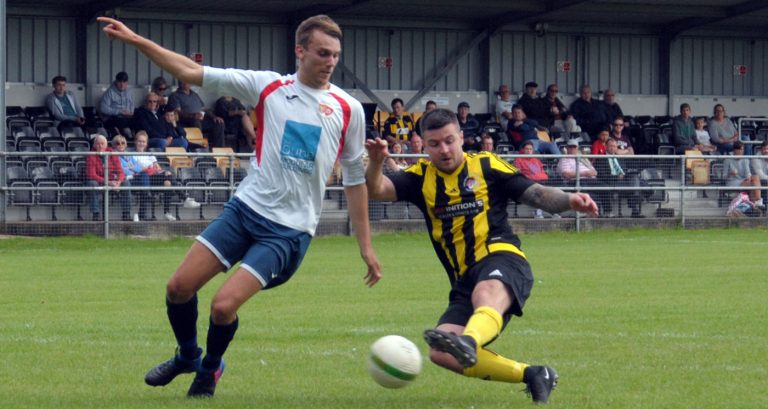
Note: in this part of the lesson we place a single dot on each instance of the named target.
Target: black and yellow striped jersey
(466, 211)
(399, 127)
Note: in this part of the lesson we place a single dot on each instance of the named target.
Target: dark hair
(738, 145)
(121, 76)
(526, 143)
(605, 128)
(437, 119)
(430, 102)
(683, 106)
(159, 82)
(764, 144)
(395, 101)
(517, 106)
(58, 78)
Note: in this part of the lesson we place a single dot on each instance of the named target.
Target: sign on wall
(740, 70)
(564, 66)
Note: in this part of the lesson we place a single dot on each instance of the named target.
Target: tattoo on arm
(549, 199)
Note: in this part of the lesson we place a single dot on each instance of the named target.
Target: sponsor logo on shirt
(458, 209)
(299, 147)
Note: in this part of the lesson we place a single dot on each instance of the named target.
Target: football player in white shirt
(306, 124)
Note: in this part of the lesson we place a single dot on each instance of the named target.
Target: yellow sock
(494, 367)
(484, 325)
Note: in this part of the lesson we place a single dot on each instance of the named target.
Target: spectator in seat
(722, 133)
(569, 167)
(613, 172)
(623, 143)
(553, 110)
(95, 176)
(428, 107)
(417, 148)
(702, 136)
(149, 118)
(760, 164)
(116, 105)
(599, 145)
(157, 176)
(738, 172)
(133, 174)
(161, 89)
(534, 170)
(504, 106)
(587, 112)
(684, 131)
(63, 105)
(236, 121)
(394, 164)
(486, 143)
(530, 101)
(192, 113)
(521, 129)
(611, 109)
(467, 122)
(176, 134)
(399, 126)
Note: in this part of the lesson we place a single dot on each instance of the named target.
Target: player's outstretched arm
(178, 65)
(553, 200)
(357, 203)
(379, 186)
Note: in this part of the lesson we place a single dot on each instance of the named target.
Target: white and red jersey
(301, 132)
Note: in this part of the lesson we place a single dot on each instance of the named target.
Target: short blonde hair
(319, 22)
(141, 133)
(118, 139)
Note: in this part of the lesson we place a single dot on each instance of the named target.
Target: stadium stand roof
(661, 17)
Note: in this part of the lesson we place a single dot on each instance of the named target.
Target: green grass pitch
(630, 319)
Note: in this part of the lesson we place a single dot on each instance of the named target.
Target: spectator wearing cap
(469, 126)
(587, 112)
(399, 125)
(530, 102)
(116, 105)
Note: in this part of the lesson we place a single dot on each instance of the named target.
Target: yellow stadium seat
(222, 162)
(195, 135)
(179, 161)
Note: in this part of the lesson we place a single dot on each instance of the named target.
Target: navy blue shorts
(268, 250)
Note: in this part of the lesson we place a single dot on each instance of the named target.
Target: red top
(94, 168)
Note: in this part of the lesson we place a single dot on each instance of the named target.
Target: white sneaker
(538, 214)
(170, 217)
(136, 217)
(190, 203)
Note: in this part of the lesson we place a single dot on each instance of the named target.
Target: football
(394, 361)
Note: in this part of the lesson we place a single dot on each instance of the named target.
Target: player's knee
(223, 310)
(177, 291)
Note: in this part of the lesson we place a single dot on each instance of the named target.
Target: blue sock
(219, 337)
(183, 319)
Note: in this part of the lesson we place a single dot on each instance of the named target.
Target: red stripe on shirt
(347, 112)
(269, 89)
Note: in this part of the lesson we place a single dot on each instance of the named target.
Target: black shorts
(511, 269)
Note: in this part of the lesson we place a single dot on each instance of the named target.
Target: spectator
(569, 167)
(417, 148)
(63, 105)
(394, 164)
(522, 128)
(116, 105)
(684, 131)
(587, 112)
(399, 126)
(177, 135)
(611, 109)
(623, 143)
(160, 88)
(553, 110)
(486, 144)
(236, 121)
(504, 106)
(598, 146)
(467, 122)
(702, 136)
(95, 176)
(760, 164)
(149, 119)
(738, 172)
(157, 176)
(133, 174)
(613, 172)
(428, 107)
(530, 101)
(533, 169)
(722, 133)
(192, 113)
